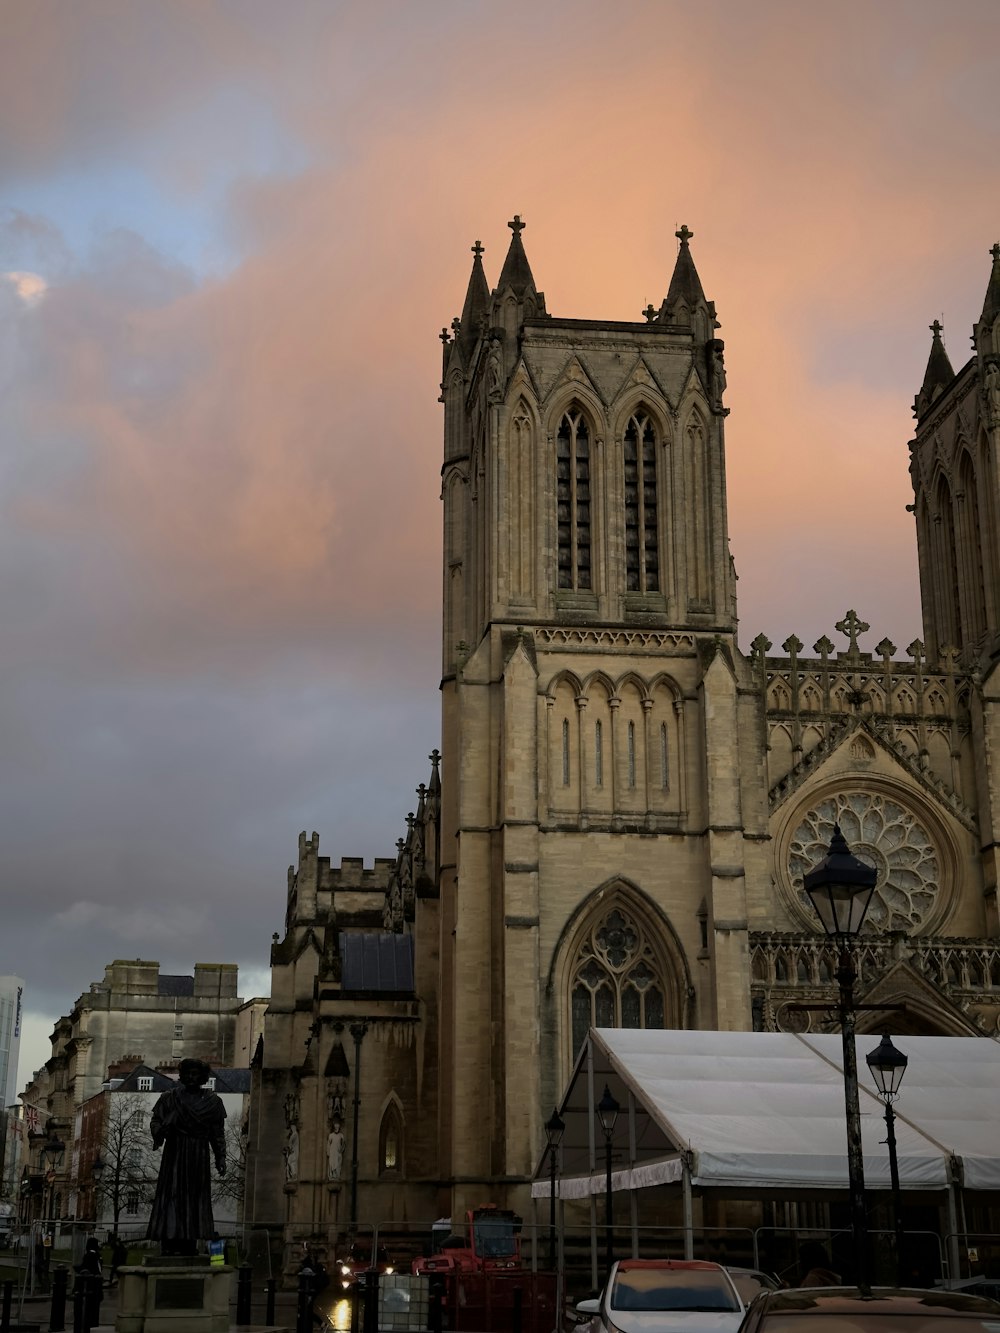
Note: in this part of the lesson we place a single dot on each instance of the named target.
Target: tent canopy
(765, 1111)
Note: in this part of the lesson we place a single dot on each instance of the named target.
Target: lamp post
(555, 1127)
(97, 1168)
(840, 889)
(888, 1065)
(52, 1154)
(607, 1113)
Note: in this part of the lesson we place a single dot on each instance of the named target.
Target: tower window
(631, 754)
(617, 981)
(664, 758)
(565, 752)
(598, 755)
(573, 501)
(642, 549)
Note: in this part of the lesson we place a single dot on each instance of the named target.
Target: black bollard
(303, 1322)
(244, 1278)
(270, 1287)
(370, 1317)
(8, 1296)
(79, 1304)
(93, 1286)
(57, 1311)
(515, 1314)
(435, 1312)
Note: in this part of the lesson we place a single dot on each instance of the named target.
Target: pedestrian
(89, 1274)
(42, 1245)
(118, 1256)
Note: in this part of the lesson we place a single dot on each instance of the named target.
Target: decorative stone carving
(883, 833)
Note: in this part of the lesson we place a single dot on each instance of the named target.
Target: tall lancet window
(573, 500)
(642, 546)
(617, 980)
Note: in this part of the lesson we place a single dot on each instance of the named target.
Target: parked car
(665, 1296)
(884, 1310)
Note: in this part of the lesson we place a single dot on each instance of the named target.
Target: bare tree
(233, 1184)
(129, 1177)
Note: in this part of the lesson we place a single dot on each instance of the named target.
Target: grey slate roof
(377, 961)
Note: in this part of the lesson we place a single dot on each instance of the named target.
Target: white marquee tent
(749, 1112)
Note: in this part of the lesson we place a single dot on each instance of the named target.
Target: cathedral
(615, 829)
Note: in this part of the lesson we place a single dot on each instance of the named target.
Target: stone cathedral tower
(601, 751)
(615, 830)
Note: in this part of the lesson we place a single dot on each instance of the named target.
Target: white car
(665, 1296)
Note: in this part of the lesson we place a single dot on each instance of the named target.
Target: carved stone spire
(685, 302)
(938, 374)
(516, 272)
(477, 303)
(983, 337)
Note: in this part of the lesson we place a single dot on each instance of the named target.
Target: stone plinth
(173, 1295)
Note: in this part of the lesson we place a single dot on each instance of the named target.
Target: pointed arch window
(664, 757)
(390, 1141)
(642, 545)
(617, 981)
(573, 501)
(598, 755)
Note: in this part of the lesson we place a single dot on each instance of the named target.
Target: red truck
(482, 1276)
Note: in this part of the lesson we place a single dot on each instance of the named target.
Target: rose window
(883, 834)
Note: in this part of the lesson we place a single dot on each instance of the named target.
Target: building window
(617, 981)
(631, 754)
(390, 1140)
(132, 1201)
(664, 757)
(565, 752)
(573, 501)
(178, 1031)
(145, 1083)
(598, 755)
(642, 545)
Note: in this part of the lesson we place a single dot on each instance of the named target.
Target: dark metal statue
(187, 1122)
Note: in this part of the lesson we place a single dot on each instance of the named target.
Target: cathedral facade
(615, 830)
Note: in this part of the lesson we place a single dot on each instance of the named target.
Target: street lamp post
(554, 1129)
(888, 1065)
(607, 1113)
(52, 1153)
(840, 889)
(97, 1168)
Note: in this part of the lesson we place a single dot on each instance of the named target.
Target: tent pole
(688, 1207)
(633, 1206)
(954, 1183)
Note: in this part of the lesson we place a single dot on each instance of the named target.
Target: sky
(230, 233)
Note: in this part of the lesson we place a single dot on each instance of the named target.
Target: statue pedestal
(174, 1295)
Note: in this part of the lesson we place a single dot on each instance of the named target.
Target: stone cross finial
(478, 249)
(995, 251)
(937, 328)
(684, 235)
(456, 326)
(517, 226)
(852, 627)
(445, 336)
(650, 313)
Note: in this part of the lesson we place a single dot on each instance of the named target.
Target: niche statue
(187, 1121)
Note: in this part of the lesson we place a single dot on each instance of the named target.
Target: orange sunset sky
(229, 236)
